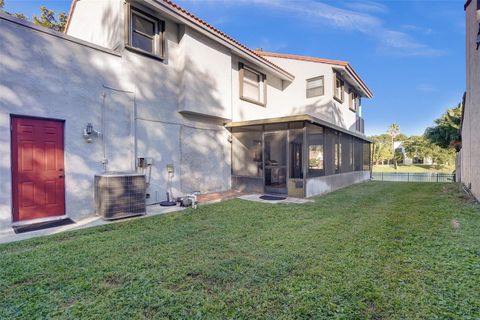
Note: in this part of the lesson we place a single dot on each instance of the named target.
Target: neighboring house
(469, 155)
(147, 82)
(398, 145)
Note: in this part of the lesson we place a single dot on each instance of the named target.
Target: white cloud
(358, 17)
(367, 6)
(337, 17)
(400, 43)
(425, 87)
(414, 28)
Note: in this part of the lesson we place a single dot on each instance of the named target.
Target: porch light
(89, 132)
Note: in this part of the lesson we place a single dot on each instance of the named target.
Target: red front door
(37, 168)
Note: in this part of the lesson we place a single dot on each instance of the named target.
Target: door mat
(42, 225)
(272, 198)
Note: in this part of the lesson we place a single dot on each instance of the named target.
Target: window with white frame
(252, 85)
(145, 32)
(315, 87)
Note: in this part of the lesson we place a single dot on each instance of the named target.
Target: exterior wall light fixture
(89, 132)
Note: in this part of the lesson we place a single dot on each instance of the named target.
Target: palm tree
(446, 131)
(394, 131)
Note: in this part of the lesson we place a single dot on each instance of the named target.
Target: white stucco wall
(324, 107)
(99, 22)
(43, 74)
(470, 157)
(205, 71)
(289, 98)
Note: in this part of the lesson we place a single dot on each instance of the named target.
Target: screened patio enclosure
(298, 156)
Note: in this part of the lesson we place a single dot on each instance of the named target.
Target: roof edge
(301, 58)
(465, 6)
(344, 64)
(70, 12)
(211, 29)
(207, 27)
(293, 118)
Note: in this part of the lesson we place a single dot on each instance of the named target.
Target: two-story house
(146, 82)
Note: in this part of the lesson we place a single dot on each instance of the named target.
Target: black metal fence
(413, 176)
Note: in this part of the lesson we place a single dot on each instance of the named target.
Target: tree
(382, 149)
(48, 19)
(417, 147)
(421, 147)
(18, 15)
(401, 137)
(447, 128)
(442, 156)
(394, 131)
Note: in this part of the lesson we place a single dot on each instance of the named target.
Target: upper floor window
(353, 101)
(145, 32)
(338, 88)
(253, 85)
(315, 87)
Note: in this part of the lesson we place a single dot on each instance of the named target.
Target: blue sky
(410, 53)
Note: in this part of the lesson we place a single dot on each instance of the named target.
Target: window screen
(145, 32)
(366, 156)
(338, 152)
(296, 154)
(316, 151)
(315, 87)
(251, 85)
(247, 154)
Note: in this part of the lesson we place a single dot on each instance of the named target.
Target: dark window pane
(142, 42)
(143, 25)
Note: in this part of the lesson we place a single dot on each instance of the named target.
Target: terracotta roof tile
(205, 24)
(70, 12)
(225, 36)
(319, 60)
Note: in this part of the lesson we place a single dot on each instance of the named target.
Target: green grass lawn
(414, 168)
(377, 250)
